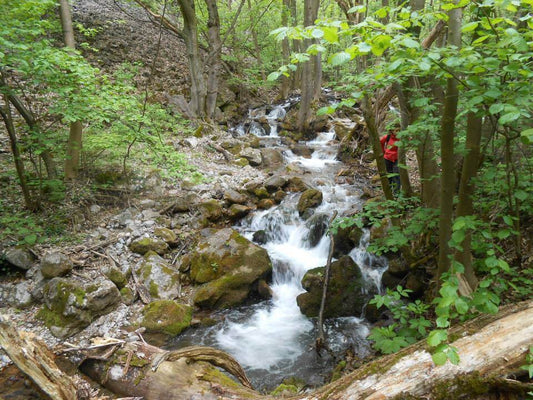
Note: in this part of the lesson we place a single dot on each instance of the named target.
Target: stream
(273, 340)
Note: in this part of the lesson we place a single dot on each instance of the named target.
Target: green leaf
(436, 337)
(443, 322)
(317, 33)
(439, 358)
(496, 108)
(469, 27)
(380, 44)
(509, 117)
(30, 239)
(453, 356)
(339, 58)
(458, 236)
(461, 306)
(410, 43)
(273, 76)
(394, 65)
(527, 136)
(330, 35)
(521, 195)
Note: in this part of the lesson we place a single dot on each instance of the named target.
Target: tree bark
(495, 348)
(285, 48)
(72, 160)
(447, 152)
(215, 47)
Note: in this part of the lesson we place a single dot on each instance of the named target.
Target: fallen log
(33, 358)
(491, 347)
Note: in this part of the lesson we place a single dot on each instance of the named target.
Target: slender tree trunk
(285, 49)
(257, 48)
(447, 151)
(405, 121)
(296, 45)
(309, 79)
(215, 46)
(198, 85)
(5, 112)
(72, 160)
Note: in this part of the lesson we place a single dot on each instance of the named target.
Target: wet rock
(252, 155)
(265, 204)
(271, 158)
(166, 316)
(279, 196)
(20, 258)
(346, 239)
(161, 280)
(318, 225)
(275, 183)
(55, 264)
(264, 290)
(302, 150)
(260, 237)
(228, 266)
(211, 210)
(167, 235)
(234, 197)
(390, 281)
(296, 184)
(71, 305)
(380, 232)
(346, 290)
(311, 198)
(237, 211)
(145, 245)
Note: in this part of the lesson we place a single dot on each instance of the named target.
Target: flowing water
(273, 340)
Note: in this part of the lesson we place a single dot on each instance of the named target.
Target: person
(390, 154)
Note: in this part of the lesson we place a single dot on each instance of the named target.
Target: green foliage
(529, 362)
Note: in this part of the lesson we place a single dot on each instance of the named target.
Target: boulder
(296, 184)
(71, 305)
(346, 239)
(252, 155)
(55, 264)
(318, 225)
(167, 235)
(302, 150)
(211, 210)
(260, 237)
(20, 258)
(115, 275)
(237, 211)
(146, 244)
(229, 268)
(185, 203)
(271, 158)
(347, 293)
(311, 198)
(276, 182)
(166, 316)
(234, 197)
(161, 280)
(265, 204)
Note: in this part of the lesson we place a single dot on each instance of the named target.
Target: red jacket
(390, 152)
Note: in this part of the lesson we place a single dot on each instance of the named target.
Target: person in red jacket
(390, 153)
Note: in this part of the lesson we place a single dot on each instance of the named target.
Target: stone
(144, 245)
(275, 183)
(296, 184)
(20, 257)
(55, 264)
(115, 275)
(241, 162)
(228, 268)
(211, 210)
(380, 232)
(347, 293)
(185, 203)
(302, 150)
(71, 305)
(271, 158)
(252, 155)
(234, 197)
(237, 211)
(346, 239)
(166, 316)
(318, 225)
(146, 204)
(161, 280)
(265, 204)
(279, 196)
(261, 192)
(311, 198)
(22, 295)
(167, 235)
(95, 209)
(264, 290)
(260, 237)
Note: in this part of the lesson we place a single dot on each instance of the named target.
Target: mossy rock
(237, 211)
(128, 296)
(166, 316)
(229, 267)
(55, 264)
(311, 198)
(261, 192)
(265, 204)
(211, 210)
(145, 245)
(347, 293)
(166, 234)
(346, 239)
(116, 276)
(161, 279)
(241, 162)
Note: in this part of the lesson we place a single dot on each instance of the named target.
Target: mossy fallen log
(490, 348)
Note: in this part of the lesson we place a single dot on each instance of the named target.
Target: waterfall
(273, 339)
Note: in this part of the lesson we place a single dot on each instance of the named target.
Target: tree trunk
(198, 85)
(72, 160)
(285, 49)
(447, 151)
(310, 81)
(496, 348)
(19, 164)
(405, 121)
(215, 47)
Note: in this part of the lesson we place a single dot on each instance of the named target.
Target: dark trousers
(394, 180)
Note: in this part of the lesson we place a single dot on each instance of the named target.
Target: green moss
(215, 375)
(338, 370)
(166, 316)
(284, 389)
(154, 289)
(52, 318)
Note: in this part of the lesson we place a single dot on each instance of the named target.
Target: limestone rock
(55, 264)
(237, 211)
(166, 316)
(166, 234)
(265, 204)
(318, 225)
(271, 158)
(71, 305)
(185, 203)
(229, 266)
(115, 275)
(296, 184)
(275, 183)
(346, 239)
(211, 210)
(347, 294)
(20, 258)
(144, 245)
(311, 198)
(252, 155)
(234, 197)
(161, 280)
